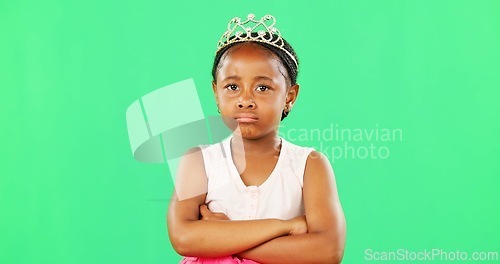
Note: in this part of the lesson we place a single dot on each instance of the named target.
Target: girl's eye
(262, 88)
(231, 87)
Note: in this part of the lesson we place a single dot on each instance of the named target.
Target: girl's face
(251, 90)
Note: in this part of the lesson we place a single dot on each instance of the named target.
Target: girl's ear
(291, 96)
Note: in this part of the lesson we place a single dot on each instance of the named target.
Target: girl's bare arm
(213, 238)
(325, 240)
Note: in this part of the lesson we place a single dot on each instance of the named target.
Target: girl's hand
(206, 214)
(298, 225)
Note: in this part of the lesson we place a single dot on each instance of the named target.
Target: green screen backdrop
(402, 97)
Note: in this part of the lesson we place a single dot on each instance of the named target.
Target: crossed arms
(319, 237)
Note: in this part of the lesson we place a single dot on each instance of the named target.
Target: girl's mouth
(246, 118)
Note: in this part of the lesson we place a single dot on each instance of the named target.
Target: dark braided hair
(286, 61)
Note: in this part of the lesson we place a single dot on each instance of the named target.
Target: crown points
(266, 33)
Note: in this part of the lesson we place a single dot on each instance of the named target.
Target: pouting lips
(246, 118)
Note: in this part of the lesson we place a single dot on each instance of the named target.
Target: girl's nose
(246, 103)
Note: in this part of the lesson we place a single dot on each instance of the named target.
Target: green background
(71, 192)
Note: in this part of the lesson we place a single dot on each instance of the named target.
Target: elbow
(336, 245)
(331, 256)
(335, 256)
(178, 247)
(182, 245)
(334, 252)
(182, 240)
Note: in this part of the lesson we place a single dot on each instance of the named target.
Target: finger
(204, 210)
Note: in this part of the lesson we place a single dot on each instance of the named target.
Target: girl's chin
(249, 132)
(245, 131)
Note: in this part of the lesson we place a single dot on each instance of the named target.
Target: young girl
(255, 197)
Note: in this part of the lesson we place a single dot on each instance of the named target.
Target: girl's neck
(265, 146)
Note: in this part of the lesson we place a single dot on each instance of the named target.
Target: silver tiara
(238, 31)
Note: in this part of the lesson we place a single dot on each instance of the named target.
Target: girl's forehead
(250, 58)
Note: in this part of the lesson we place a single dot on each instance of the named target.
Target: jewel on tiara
(237, 31)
